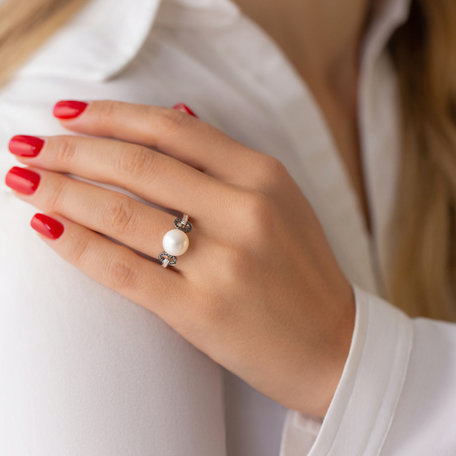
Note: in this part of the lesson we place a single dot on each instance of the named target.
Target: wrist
(336, 340)
(342, 343)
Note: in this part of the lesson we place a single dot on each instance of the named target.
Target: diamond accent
(183, 224)
(167, 259)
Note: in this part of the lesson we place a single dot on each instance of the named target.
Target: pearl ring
(175, 242)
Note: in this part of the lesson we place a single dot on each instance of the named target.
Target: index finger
(169, 130)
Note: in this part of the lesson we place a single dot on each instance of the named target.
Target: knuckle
(274, 167)
(172, 119)
(234, 259)
(134, 162)
(106, 110)
(56, 194)
(257, 208)
(79, 250)
(119, 215)
(257, 213)
(120, 275)
(269, 171)
(66, 149)
(235, 267)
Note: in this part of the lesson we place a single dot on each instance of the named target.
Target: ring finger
(118, 216)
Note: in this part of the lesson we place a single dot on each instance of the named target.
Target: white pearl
(175, 242)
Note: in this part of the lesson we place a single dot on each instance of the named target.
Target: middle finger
(149, 174)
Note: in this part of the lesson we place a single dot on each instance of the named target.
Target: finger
(149, 174)
(169, 130)
(112, 265)
(118, 216)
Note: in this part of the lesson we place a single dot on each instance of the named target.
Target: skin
(322, 41)
(260, 293)
(286, 329)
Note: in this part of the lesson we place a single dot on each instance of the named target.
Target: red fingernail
(184, 108)
(47, 226)
(69, 109)
(22, 180)
(25, 146)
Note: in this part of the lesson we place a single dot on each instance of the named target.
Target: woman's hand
(259, 290)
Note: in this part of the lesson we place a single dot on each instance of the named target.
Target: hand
(259, 290)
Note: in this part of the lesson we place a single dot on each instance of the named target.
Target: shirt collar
(388, 16)
(105, 35)
(98, 42)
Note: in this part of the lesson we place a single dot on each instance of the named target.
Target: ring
(175, 242)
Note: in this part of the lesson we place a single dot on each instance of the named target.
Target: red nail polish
(22, 180)
(69, 109)
(25, 146)
(47, 226)
(184, 108)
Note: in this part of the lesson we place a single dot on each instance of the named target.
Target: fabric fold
(365, 400)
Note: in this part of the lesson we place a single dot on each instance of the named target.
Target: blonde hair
(423, 269)
(24, 27)
(423, 275)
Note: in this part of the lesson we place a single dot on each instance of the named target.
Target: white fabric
(84, 371)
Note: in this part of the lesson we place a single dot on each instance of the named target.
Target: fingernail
(47, 226)
(69, 109)
(22, 180)
(25, 146)
(184, 108)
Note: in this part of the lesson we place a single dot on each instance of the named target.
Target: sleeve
(396, 395)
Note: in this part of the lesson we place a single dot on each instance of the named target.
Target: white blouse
(86, 372)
